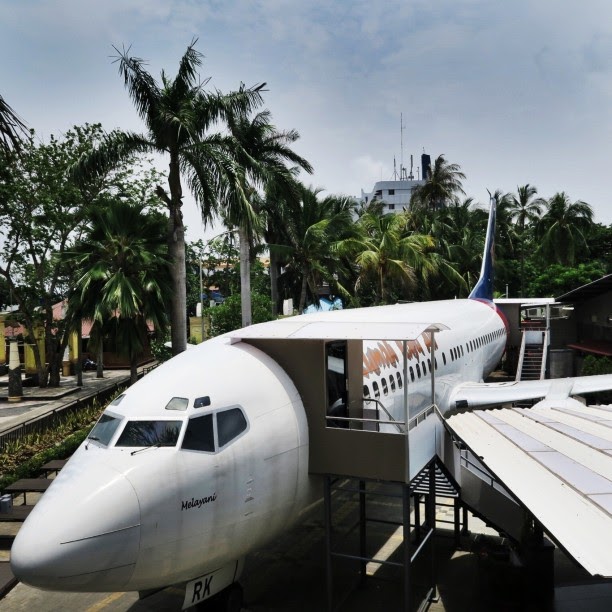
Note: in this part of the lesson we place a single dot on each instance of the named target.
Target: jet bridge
(310, 351)
(353, 442)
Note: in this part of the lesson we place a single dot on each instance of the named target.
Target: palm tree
(441, 187)
(562, 228)
(389, 256)
(525, 210)
(123, 276)
(179, 116)
(11, 127)
(312, 229)
(261, 152)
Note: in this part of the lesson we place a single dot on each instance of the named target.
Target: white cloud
(514, 92)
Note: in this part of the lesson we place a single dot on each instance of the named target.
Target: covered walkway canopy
(556, 459)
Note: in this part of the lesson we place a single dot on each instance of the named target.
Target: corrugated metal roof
(558, 462)
(601, 285)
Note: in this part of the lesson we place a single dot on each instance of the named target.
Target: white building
(396, 193)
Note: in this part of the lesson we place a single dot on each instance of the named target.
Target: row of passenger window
(208, 433)
(472, 345)
(420, 369)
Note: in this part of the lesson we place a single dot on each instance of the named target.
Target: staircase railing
(519, 367)
(544, 355)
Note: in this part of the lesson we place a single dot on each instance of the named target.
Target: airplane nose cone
(83, 535)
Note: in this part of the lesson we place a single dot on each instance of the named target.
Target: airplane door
(336, 379)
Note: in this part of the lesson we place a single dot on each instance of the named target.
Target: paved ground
(38, 401)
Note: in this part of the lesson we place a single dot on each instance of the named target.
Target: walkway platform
(37, 402)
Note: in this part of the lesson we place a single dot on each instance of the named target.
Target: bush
(593, 366)
(228, 317)
(24, 457)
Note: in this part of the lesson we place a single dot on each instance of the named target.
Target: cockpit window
(203, 434)
(177, 403)
(150, 433)
(199, 434)
(230, 424)
(104, 429)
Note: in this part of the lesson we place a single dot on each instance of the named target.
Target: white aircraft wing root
(474, 395)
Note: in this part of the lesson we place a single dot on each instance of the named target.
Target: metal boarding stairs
(532, 357)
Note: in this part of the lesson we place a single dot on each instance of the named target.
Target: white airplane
(206, 458)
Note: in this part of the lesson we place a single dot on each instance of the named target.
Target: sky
(514, 92)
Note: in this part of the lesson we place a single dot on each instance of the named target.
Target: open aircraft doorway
(337, 383)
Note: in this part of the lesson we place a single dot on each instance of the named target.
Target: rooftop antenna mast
(402, 169)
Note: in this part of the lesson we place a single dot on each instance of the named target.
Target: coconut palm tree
(563, 228)
(262, 153)
(123, 275)
(441, 187)
(525, 210)
(11, 127)
(389, 257)
(312, 229)
(179, 117)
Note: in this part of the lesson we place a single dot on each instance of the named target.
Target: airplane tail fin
(483, 290)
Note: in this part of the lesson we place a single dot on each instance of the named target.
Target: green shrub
(24, 458)
(593, 366)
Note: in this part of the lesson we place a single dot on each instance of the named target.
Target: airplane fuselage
(206, 458)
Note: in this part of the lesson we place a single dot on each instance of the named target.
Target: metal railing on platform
(399, 425)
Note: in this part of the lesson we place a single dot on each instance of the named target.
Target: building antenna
(411, 175)
(401, 145)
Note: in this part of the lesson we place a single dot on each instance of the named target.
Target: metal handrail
(519, 367)
(544, 355)
(378, 403)
(400, 425)
(360, 420)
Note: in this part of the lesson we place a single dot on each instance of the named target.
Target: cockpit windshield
(104, 429)
(150, 433)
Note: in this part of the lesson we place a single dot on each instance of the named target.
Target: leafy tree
(556, 280)
(122, 275)
(41, 211)
(179, 116)
(228, 316)
(563, 228)
(442, 185)
(600, 245)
